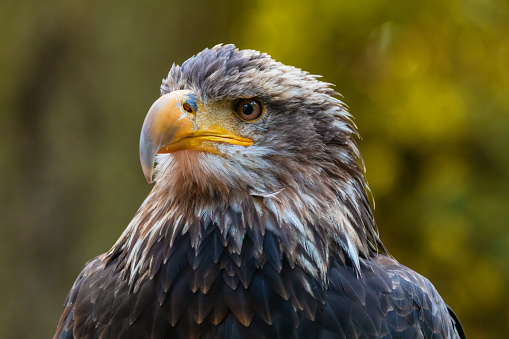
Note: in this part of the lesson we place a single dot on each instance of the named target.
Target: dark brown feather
(388, 300)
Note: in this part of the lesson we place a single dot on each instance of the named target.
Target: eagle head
(236, 132)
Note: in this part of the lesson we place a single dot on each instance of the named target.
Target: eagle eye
(249, 109)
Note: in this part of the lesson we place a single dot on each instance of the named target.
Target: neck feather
(309, 224)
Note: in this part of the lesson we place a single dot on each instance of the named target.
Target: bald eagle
(258, 224)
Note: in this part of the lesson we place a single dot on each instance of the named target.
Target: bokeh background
(428, 83)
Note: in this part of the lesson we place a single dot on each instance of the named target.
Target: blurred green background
(428, 83)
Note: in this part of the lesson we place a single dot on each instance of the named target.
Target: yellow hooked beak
(169, 127)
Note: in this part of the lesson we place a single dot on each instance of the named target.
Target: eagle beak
(170, 126)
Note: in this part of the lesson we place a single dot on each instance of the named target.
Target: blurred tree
(426, 81)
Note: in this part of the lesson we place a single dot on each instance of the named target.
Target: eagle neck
(303, 238)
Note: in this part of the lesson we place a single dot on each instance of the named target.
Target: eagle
(259, 224)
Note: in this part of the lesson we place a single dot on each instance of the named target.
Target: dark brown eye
(249, 109)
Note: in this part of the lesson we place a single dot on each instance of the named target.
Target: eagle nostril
(187, 108)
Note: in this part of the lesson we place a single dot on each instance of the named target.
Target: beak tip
(148, 170)
(147, 158)
(148, 176)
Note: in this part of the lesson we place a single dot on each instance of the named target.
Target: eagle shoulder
(388, 300)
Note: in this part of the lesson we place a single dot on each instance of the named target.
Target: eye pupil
(248, 109)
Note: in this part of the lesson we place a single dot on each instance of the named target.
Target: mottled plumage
(272, 240)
